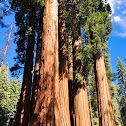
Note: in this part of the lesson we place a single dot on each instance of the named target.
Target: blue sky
(116, 43)
(3, 40)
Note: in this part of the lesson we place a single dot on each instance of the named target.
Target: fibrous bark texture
(106, 114)
(36, 75)
(46, 111)
(63, 69)
(36, 80)
(81, 108)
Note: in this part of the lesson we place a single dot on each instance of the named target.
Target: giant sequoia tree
(48, 101)
(79, 109)
(47, 105)
(98, 28)
(63, 68)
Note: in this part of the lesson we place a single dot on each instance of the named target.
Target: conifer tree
(113, 90)
(92, 96)
(78, 95)
(26, 48)
(47, 109)
(81, 108)
(63, 68)
(121, 75)
(98, 27)
(37, 67)
(4, 96)
(49, 100)
(9, 95)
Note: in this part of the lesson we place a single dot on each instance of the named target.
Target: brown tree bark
(36, 76)
(47, 107)
(36, 80)
(63, 69)
(106, 114)
(23, 108)
(81, 107)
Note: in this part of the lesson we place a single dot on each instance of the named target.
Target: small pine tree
(121, 75)
(9, 94)
(4, 97)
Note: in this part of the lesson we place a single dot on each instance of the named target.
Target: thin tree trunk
(5, 48)
(70, 82)
(106, 114)
(46, 109)
(63, 70)
(81, 108)
(23, 108)
(89, 90)
(36, 75)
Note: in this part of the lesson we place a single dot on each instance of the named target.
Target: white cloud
(117, 19)
(124, 12)
(119, 1)
(123, 35)
(118, 15)
(120, 25)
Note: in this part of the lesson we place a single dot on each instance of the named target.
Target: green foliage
(92, 96)
(97, 30)
(121, 75)
(28, 16)
(4, 95)
(93, 17)
(79, 77)
(42, 2)
(9, 94)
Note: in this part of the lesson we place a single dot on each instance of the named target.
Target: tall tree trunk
(81, 108)
(106, 114)
(5, 48)
(46, 110)
(70, 81)
(36, 75)
(89, 94)
(37, 65)
(63, 69)
(23, 108)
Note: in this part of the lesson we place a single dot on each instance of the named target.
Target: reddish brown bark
(81, 108)
(23, 109)
(63, 70)
(36, 75)
(36, 80)
(46, 109)
(106, 114)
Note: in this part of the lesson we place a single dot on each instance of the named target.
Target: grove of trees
(63, 55)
